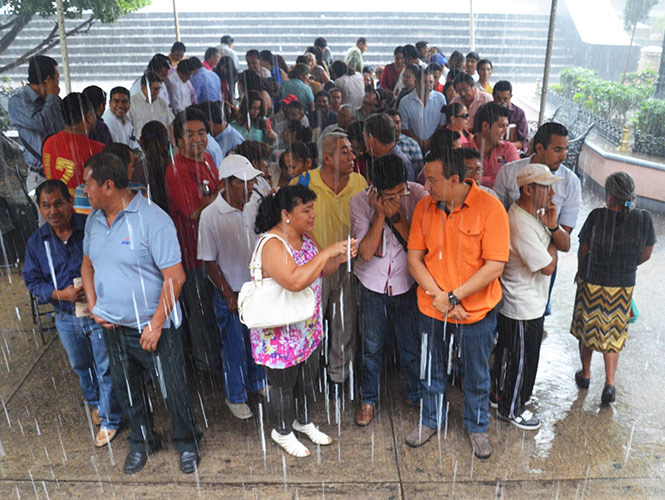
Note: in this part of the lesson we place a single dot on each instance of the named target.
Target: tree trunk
(625, 68)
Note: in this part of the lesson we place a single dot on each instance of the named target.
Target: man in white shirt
(147, 106)
(225, 48)
(118, 120)
(225, 244)
(176, 85)
(534, 235)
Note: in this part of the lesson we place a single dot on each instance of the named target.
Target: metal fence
(606, 129)
(649, 144)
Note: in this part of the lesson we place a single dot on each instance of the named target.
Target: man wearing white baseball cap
(226, 242)
(525, 282)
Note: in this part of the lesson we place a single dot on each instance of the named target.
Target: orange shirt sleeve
(496, 237)
(416, 233)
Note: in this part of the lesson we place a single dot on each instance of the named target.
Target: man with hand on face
(134, 296)
(226, 243)
(36, 113)
(458, 245)
(525, 282)
(192, 183)
(52, 262)
(117, 118)
(380, 221)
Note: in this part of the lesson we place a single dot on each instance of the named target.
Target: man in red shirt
(496, 152)
(64, 153)
(192, 183)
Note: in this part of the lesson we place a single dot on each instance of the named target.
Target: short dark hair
(410, 52)
(119, 90)
(546, 131)
(354, 132)
(484, 61)
(190, 114)
(503, 86)
(195, 63)
(322, 93)
(226, 39)
(158, 62)
(185, 66)
(303, 134)
(50, 186)
(300, 150)
(301, 70)
(398, 50)
(491, 112)
(338, 69)
(433, 67)
(443, 138)
(178, 47)
(361, 40)
(468, 153)
(421, 45)
(40, 68)
(299, 105)
(464, 78)
(149, 78)
(210, 52)
(391, 112)
(122, 151)
(381, 127)
(108, 167)
(320, 42)
(213, 111)
(95, 95)
(287, 198)
(267, 56)
(451, 159)
(473, 55)
(388, 171)
(252, 53)
(74, 108)
(417, 72)
(254, 151)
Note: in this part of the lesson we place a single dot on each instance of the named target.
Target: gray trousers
(339, 307)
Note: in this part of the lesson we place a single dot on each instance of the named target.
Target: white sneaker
(239, 410)
(525, 420)
(290, 444)
(312, 432)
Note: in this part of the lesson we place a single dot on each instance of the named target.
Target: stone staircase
(117, 53)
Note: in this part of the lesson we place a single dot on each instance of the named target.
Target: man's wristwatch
(555, 229)
(452, 299)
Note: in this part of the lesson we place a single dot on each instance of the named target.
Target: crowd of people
(409, 198)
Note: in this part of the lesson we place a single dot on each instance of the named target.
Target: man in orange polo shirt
(458, 245)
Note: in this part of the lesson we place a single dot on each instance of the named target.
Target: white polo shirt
(226, 236)
(567, 193)
(525, 288)
(121, 131)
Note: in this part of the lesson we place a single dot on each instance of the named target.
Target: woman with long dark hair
(150, 169)
(251, 123)
(291, 353)
(614, 240)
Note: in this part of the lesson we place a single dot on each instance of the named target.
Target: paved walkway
(583, 450)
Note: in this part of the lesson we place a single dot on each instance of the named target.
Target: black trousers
(517, 353)
(167, 367)
(289, 387)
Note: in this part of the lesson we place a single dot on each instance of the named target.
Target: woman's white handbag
(264, 303)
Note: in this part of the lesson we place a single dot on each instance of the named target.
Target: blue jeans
(83, 341)
(241, 373)
(379, 314)
(476, 341)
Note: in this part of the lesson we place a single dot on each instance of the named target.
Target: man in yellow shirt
(335, 184)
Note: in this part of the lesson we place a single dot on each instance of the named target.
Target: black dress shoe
(609, 394)
(134, 462)
(189, 461)
(582, 383)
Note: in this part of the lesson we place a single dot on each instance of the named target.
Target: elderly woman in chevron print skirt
(613, 241)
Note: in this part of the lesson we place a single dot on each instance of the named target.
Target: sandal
(290, 444)
(312, 432)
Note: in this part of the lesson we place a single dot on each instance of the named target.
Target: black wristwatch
(452, 299)
(552, 231)
(395, 218)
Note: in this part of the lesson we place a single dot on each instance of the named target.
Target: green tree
(22, 11)
(635, 11)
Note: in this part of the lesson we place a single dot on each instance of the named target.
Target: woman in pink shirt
(458, 120)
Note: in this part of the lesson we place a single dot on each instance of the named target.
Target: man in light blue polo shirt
(132, 276)
(420, 110)
(298, 87)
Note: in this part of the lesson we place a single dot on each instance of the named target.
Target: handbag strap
(255, 264)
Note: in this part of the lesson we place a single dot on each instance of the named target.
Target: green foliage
(636, 11)
(650, 118)
(610, 100)
(106, 11)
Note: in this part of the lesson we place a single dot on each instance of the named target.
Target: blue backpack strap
(303, 179)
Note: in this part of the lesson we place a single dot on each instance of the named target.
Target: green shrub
(650, 118)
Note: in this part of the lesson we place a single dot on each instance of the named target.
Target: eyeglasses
(394, 196)
(465, 116)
